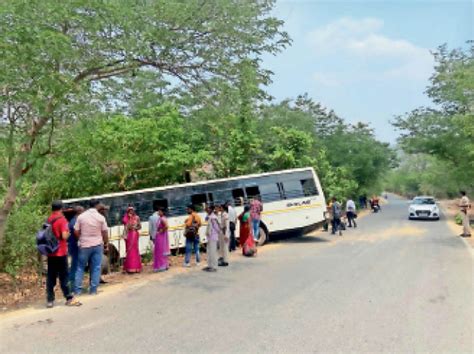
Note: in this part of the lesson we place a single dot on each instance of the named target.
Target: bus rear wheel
(262, 236)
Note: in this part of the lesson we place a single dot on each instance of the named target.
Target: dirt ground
(29, 288)
(450, 209)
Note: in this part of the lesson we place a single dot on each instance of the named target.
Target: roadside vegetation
(437, 144)
(100, 98)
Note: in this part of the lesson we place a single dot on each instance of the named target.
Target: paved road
(391, 285)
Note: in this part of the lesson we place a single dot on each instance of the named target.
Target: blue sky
(367, 60)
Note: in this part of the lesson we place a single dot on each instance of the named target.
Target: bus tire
(262, 235)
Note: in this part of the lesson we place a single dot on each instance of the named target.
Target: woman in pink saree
(133, 262)
(162, 247)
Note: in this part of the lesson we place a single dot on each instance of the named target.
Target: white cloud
(340, 33)
(376, 56)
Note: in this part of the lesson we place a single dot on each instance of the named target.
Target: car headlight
(434, 209)
(412, 210)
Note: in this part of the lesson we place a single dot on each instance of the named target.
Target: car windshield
(423, 201)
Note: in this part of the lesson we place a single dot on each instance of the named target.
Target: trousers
(212, 254)
(57, 268)
(465, 224)
(224, 248)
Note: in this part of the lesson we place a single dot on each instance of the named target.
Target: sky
(367, 60)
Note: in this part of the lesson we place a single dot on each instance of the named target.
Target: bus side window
(309, 187)
(161, 203)
(199, 201)
(293, 189)
(252, 191)
(270, 192)
(238, 195)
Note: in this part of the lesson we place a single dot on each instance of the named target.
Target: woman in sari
(133, 262)
(161, 252)
(246, 238)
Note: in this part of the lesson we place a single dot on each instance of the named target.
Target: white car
(423, 207)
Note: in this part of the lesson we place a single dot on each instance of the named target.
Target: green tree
(446, 132)
(118, 153)
(57, 55)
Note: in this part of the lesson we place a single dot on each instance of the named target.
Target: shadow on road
(303, 239)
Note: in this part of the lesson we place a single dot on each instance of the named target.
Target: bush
(19, 250)
(458, 218)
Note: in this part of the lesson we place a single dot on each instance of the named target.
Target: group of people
(85, 238)
(83, 235)
(334, 215)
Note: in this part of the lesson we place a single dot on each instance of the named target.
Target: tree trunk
(18, 168)
(11, 195)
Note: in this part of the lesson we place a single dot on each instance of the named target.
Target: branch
(94, 71)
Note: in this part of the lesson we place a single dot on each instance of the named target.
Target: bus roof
(115, 194)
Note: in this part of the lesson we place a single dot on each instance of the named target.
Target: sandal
(73, 302)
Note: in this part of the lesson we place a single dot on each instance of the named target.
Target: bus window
(309, 187)
(238, 195)
(252, 191)
(201, 200)
(269, 192)
(293, 189)
(160, 203)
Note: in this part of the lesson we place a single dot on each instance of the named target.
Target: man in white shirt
(465, 205)
(232, 225)
(351, 213)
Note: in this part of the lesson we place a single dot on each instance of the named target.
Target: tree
(446, 132)
(55, 55)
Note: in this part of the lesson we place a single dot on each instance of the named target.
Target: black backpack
(46, 241)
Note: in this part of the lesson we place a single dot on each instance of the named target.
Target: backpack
(191, 232)
(46, 241)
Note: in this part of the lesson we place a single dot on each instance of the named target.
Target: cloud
(374, 55)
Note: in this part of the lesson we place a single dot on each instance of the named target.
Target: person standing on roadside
(351, 213)
(212, 233)
(57, 261)
(336, 216)
(133, 261)
(223, 217)
(153, 222)
(191, 232)
(232, 226)
(92, 231)
(256, 209)
(161, 251)
(72, 244)
(465, 205)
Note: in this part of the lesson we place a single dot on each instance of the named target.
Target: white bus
(293, 201)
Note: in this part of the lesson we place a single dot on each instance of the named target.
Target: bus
(293, 201)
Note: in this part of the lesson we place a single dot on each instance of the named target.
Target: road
(391, 285)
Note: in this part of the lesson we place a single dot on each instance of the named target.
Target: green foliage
(287, 148)
(447, 132)
(424, 174)
(64, 59)
(19, 250)
(153, 147)
(458, 218)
